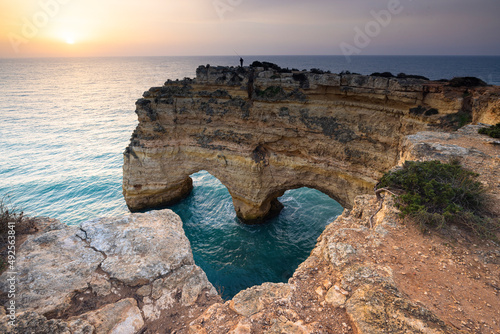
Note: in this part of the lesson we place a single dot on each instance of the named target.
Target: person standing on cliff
(241, 62)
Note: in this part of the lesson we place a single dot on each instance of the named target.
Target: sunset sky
(70, 28)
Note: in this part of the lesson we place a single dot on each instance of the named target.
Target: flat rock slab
(61, 261)
(51, 268)
(140, 247)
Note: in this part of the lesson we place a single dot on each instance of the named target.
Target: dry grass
(10, 216)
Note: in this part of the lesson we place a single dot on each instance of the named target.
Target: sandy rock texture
(262, 132)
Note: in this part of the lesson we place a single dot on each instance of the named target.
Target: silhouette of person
(241, 62)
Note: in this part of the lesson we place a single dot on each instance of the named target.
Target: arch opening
(236, 256)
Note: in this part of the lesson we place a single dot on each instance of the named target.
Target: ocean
(65, 123)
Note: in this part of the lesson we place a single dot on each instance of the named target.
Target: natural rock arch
(254, 187)
(270, 131)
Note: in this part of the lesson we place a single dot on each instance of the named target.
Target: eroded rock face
(261, 133)
(110, 275)
(332, 291)
(370, 272)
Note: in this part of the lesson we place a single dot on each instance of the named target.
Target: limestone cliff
(369, 272)
(262, 132)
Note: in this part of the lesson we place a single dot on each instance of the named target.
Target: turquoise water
(236, 256)
(64, 124)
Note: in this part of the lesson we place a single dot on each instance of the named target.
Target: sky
(80, 28)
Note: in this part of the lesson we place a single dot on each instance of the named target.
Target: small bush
(457, 120)
(383, 75)
(256, 64)
(318, 71)
(411, 76)
(466, 82)
(270, 92)
(492, 131)
(299, 77)
(267, 65)
(435, 194)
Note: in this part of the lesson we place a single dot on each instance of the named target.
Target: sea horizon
(254, 55)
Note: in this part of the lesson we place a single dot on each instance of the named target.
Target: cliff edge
(264, 131)
(369, 272)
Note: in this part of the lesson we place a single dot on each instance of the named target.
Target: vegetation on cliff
(492, 131)
(267, 65)
(467, 82)
(12, 223)
(435, 194)
(399, 76)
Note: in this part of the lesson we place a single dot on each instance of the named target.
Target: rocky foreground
(369, 272)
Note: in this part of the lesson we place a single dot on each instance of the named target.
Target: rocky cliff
(369, 272)
(263, 131)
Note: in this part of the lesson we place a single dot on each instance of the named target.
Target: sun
(68, 37)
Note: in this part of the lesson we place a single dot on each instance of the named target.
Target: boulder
(141, 247)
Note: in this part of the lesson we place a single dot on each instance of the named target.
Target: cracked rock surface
(139, 248)
(109, 275)
(50, 274)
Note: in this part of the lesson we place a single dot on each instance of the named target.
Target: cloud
(167, 27)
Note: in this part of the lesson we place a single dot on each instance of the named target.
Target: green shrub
(457, 120)
(270, 92)
(435, 194)
(412, 76)
(319, 71)
(492, 131)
